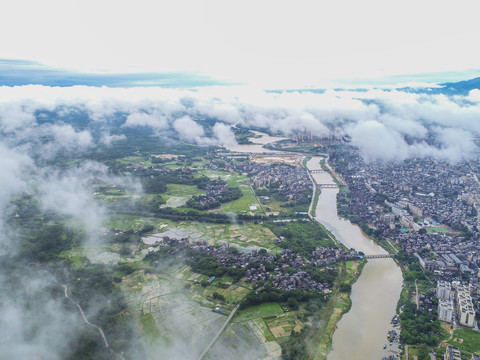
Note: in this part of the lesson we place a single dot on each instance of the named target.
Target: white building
(465, 310)
(445, 310)
(444, 290)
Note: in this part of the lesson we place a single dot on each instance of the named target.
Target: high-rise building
(445, 310)
(444, 290)
(465, 310)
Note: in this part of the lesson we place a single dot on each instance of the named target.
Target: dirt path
(102, 334)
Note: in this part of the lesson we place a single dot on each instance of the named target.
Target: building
(465, 310)
(444, 290)
(452, 353)
(445, 310)
(475, 357)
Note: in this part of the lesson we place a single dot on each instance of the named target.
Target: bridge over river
(323, 186)
(379, 256)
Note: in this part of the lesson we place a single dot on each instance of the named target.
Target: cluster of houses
(298, 280)
(325, 256)
(421, 193)
(291, 181)
(214, 191)
(285, 270)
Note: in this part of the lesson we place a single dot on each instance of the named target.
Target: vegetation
(198, 261)
(93, 287)
(419, 326)
(301, 236)
(467, 341)
(243, 135)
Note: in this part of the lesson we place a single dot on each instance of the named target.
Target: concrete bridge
(324, 186)
(378, 256)
(317, 171)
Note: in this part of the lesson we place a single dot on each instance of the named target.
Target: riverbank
(319, 338)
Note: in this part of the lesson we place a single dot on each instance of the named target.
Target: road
(102, 334)
(219, 332)
(416, 293)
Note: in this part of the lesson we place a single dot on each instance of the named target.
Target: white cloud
(144, 119)
(400, 113)
(188, 129)
(224, 134)
(107, 139)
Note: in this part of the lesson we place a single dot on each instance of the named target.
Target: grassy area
(150, 329)
(135, 160)
(468, 341)
(233, 294)
(128, 222)
(177, 195)
(315, 201)
(437, 230)
(173, 166)
(259, 311)
(232, 179)
(305, 161)
(243, 204)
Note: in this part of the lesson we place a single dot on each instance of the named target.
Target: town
(428, 209)
(287, 270)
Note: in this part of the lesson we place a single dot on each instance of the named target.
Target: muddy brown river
(362, 332)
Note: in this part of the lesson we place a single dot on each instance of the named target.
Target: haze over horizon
(272, 44)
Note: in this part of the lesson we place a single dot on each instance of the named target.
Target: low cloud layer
(378, 121)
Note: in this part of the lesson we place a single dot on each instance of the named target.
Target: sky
(270, 44)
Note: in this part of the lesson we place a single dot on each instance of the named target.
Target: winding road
(102, 334)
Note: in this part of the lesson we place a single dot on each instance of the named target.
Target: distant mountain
(462, 86)
(24, 72)
(450, 88)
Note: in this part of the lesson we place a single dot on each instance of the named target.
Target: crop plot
(244, 235)
(178, 195)
(244, 341)
(172, 322)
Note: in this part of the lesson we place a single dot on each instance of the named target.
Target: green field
(243, 204)
(259, 311)
(468, 341)
(177, 195)
(128, 222)
(150, 328)
(135, 160)
(437, 229)
(241, 234)
(233, 294)
(232, 179)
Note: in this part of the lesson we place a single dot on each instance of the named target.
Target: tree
(292, 303)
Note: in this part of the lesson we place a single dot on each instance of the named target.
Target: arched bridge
(378, 256)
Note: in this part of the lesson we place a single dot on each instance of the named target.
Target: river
(362, 332)
(257, 144)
